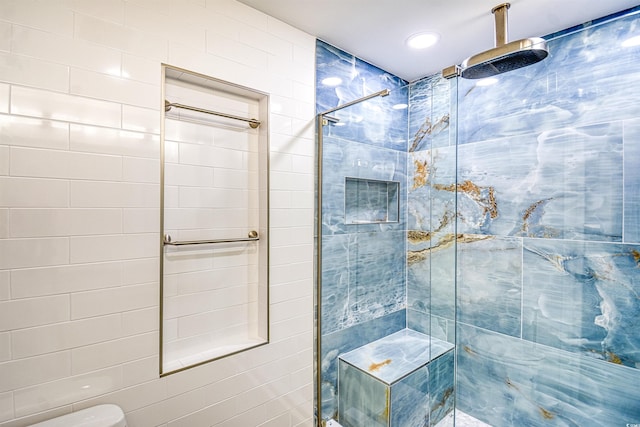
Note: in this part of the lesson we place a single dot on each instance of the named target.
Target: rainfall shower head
(505, 56)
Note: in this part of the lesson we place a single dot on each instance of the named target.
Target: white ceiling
(376, 30)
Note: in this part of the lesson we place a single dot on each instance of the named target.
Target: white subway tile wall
(80, 100)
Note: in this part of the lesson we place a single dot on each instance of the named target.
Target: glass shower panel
(361, 232)
(432, 209)
(547, 236)
(431, 234)
(382, 362)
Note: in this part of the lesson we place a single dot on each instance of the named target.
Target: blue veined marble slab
(632, 181)
(335, 282)
(589, 77)
(410, 400)
(363, 400)
(564, 183)
(436, 326)
(345, 340)
(391, 358)
(505, 381)
(583, 297)
(362, 278)
(342, 159)
(374, 121)
(430, 113)
(489, 286)
(431, 199)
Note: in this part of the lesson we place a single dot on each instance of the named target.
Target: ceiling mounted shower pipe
(505, 56)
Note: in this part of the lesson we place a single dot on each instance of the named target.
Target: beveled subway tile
(116, 89)
(140, 170)
(26, 372)
(188, 175)
(114, 141)
(59, 106)
(236, 51)
(47, 16)
(37, 133)
(113, 247)
(31, 162)
(204, 155)
(140, 119)
(33, 282)
(131, 398)
(140, 270)
(4, 159)
(140, 321)
(65, 50)
(64, 336)
(113, 300)
(64, 222)
(5, 286)
(120, 37)
(182, 131)
(30, 312)
(21, 253)
(5, 36)
(98, 194)
(33, 192)
(4, 97)
(5, 346)
(6, 406)
(112, 11)
(141, 69)
(200, 197)
(221, 67)
(140, 220)
(165, 25)
(4, 223)
(65, 391)
(27, 71)
(140, 371)
(111, 353)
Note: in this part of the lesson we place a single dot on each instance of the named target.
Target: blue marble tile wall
(548, 235)
(363, 272)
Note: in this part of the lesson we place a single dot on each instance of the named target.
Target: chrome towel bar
(253, 123)
(252, 236)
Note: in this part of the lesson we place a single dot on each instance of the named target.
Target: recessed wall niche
(214, 219)
(370, 201)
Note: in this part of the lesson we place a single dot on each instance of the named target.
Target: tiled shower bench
(402, 380)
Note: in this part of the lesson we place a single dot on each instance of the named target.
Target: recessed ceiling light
(633, 41)
(399, 106)
(332, 81)
(423, 40)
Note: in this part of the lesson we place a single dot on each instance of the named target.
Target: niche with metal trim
(371, 201)
(214, 225)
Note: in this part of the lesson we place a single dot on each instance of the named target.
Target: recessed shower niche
(214, 219)
(370, 201)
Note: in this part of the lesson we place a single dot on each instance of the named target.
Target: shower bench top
(395, 356)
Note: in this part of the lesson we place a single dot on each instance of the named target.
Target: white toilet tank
(97, 416)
